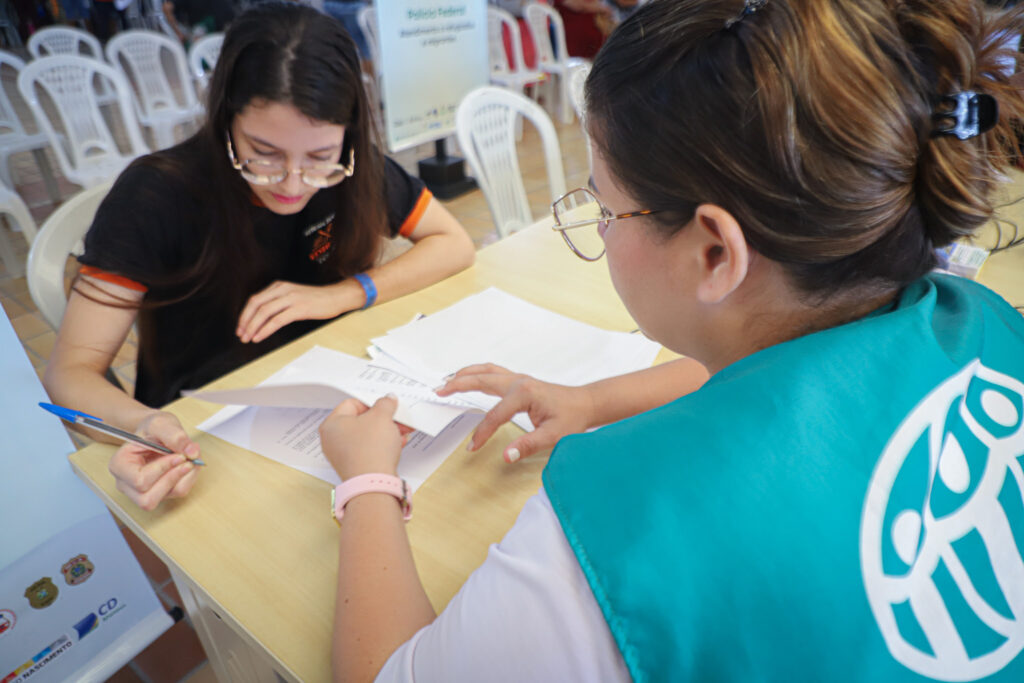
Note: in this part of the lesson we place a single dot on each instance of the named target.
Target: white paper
(290, 437)
(496, 327)
(323, 378)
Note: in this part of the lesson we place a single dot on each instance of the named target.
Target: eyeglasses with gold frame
(580, 217)
(265, 172)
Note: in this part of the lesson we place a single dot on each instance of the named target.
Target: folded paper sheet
(279, 418)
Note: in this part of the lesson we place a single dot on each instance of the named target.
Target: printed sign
(433, 52)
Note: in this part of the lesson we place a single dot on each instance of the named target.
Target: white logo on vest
(943, 572)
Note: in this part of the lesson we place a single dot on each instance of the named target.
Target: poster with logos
(74, 603)
(433, 52)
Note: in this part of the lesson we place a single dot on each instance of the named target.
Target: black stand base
(444, 175)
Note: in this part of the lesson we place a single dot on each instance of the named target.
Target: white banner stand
(74, 603)
(433, 53)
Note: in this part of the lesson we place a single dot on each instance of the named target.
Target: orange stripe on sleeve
(413, 219)
(120, 280)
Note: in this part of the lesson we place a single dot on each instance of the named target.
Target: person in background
(191, 18)
(587, 24)
(265, 224)
(843, 499)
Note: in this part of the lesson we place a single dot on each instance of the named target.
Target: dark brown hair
(282, 53)
(809, 121)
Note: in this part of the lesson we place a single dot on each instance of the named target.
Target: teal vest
(846, 506)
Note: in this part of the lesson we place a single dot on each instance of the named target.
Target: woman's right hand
(554, 409)
(148, 477)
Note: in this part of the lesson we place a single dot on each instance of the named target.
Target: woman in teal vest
(843, 498)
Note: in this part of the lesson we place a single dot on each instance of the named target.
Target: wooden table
(253, 548)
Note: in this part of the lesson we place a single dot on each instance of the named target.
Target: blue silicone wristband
(367, 284)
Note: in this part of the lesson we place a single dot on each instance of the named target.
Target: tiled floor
(177, 655)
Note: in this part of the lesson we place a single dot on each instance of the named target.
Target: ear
(724, 256)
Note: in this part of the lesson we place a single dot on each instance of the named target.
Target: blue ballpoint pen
(86, 420)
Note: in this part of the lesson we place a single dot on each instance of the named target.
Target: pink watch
(370, 483)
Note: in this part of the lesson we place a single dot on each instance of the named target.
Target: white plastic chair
(157, 20)
(367, 19)
(577, 85)
(515, 76)
(17, 214)
(485, 124)
(87, 152)
(202, 58)
(64, 40)
(552, 59)
(13, 136)
(60, 237)
(158, 105)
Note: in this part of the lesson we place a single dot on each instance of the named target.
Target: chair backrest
(64, 40)
(157, 20)
(544, 21)
(60, 237)
(87, 152)
(367, 19)
(202, 57)
(485, 124)
(499, 21)
(139, 55)
(11, 127)
(577, 95)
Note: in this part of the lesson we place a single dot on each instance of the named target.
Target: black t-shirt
(149, 227)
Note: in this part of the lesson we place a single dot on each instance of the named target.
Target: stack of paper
(279, 418)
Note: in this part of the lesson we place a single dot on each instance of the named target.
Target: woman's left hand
(282, 303)
(360, 440)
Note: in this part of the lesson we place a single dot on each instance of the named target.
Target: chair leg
(5, 170)
(11, 262)
(47, 172)
(564, 104)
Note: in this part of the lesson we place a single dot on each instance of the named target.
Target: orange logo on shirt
(321, 243)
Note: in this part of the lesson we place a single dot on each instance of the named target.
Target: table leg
(232, 658)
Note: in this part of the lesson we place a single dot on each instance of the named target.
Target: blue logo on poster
(86, 625)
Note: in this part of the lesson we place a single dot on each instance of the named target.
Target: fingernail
(470, 446)
(392, 396)
(439, 387)
(512, 455)
(180, 459)
(192, 451)
(187, 465)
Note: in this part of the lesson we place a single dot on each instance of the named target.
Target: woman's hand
(360, 440)
(282, 303)
(165, 429)
(554, 409)
(147, 477)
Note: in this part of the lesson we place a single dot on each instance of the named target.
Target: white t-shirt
(527, 614)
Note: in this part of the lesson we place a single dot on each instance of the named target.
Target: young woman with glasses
(266, 223)
(843, 499)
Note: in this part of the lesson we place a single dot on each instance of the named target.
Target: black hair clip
(969, 114)
(749, 7)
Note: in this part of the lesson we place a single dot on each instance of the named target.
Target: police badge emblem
(77, 570)
(42, 593)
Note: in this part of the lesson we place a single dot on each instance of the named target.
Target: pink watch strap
(370, 483)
